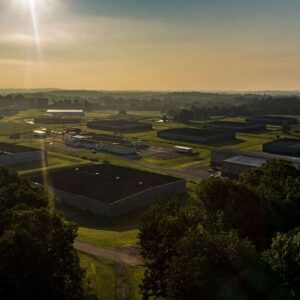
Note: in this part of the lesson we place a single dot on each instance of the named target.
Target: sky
(207, 45)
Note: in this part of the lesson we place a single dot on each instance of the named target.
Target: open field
(108, 238)
(111, 281)
(101, 275)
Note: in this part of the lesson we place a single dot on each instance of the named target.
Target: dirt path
(121, 256)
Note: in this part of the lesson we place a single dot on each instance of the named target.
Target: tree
(277, 183)
(165, 118)
(240, 207)
(209, 266)
(284, 259)
(286, 128)
(184, 116)
(189, 255)
(37, 257)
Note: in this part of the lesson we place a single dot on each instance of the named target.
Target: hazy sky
(150, 44)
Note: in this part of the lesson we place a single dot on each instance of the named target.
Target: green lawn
(101, 275)
(177, 161)
(104, 279)
(108, 238)
(135, 276)
(55, 160)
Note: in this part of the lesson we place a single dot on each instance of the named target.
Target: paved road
(121, 256)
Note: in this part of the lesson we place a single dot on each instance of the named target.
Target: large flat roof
(195, 131)
(230, 123)
(247, 160)
(8, 148)
(236, 152)
(105, 182)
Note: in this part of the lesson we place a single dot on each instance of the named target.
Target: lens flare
(35, 26)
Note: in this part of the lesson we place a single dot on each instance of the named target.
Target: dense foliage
(229, 242)
(37, 258)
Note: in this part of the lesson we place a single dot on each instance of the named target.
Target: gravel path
(118, 256)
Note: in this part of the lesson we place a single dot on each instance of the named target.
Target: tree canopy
(37, 258)
(220, 246)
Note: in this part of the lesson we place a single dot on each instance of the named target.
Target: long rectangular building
(65, 112)
(273, 120)
(235, 162)
(12, 154)
(111, 190)
(235, 126)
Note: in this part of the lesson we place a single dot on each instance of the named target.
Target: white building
(65, 112)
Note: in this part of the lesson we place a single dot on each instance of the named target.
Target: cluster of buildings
(61, 116)
(112, 191)
(119, 125)
(105, 143)
(235, 162)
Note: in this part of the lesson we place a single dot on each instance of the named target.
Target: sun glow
(33, 9)
(32, 6)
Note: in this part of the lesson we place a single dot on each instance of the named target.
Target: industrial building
(61, 116)
(194, 135)
(273, 120)
(235, 126)
(57, 120)
(287, 147)
(12, 154)
(65, 112)
(110, 190)
(103, 143)
(120, 125)
(235, 162)
(233, 167)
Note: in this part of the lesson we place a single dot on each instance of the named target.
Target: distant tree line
(232, 240)
(181, 106)
(269, 105)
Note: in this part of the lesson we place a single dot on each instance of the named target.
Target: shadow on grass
(93, 221)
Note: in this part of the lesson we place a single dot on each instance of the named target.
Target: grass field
(105, 278)
(54, 161)
(108, 238)
(101, 275)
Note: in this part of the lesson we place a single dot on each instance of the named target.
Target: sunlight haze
(152, 45)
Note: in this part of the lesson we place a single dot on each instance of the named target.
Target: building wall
(57, 120)
(281, 148)
(232, 170)
(218, 156)
(148, 197)
(249, 127)
(23, 157)
(194, 138)
(124, 205)
(289, 121)
(120, 128)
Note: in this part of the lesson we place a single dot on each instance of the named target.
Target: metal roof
(247, 160)
(64, 111)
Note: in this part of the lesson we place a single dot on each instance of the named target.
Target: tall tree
(240, 207)
(277, 183)
(284, 259)
(37, 258)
